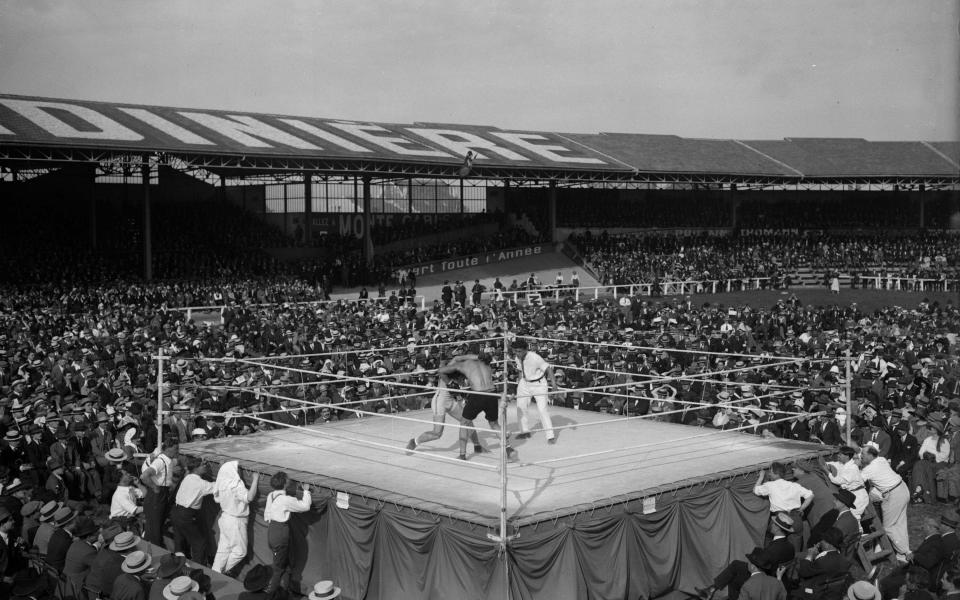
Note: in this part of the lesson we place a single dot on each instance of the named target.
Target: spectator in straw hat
(29, 514)
(170, 567)
(863, 590)
(324, 590)
(45, 530)
(109, 560)
(61, 539)
(178, 587)
(130, 585)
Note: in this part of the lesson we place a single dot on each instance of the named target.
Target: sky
(745, 69)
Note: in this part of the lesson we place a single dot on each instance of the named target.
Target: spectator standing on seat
(234, 499)
(276, 512)
(888, 488)
(157, 476)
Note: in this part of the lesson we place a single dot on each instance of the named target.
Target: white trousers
(895, 519)
(232, 545)
(537, 391)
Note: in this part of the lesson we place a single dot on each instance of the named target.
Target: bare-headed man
(444, 403)
(480, 398)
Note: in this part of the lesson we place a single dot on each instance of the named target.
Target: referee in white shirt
(276, 512)
(532, 383)
(157, 475)
(188, 529)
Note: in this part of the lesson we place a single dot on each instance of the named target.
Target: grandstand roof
(36, 129)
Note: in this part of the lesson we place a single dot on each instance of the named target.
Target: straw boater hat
(48, 510)
(863, 590)
(124, 541)
(179, 586)
(136, 562)
(324, 590)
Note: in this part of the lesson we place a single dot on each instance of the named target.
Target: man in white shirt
(785, 497)
(188, 529)
(157, 475)
(234, 499)
(276, 512)
(845, 473)
(887, 487)
(123, 503)
(532, 383)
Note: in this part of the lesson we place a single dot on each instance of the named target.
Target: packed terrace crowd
(626, 259)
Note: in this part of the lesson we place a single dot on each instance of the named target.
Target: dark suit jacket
(929, 554)
(826, 567)
(105, 569)
(780, 551)
(905, 450)
(951, 543)
(799, 431)
(763, 586)
(850, 528)
(128, 587)
(80, 557)
(60, 543)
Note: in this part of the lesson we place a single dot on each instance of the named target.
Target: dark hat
(29, 586)
(845, 497)
(84, 527)
(257, 578)
(951, 518)
(833, 536)
(170, 565)
(109, 533)
(4, 514)
(759, 558)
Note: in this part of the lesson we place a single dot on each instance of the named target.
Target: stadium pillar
(307, 206)
(923, 207)
(90, 184)
(147, 241)
(552, 211)
(367, 239)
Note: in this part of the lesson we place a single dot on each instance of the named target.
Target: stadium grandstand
(283, 293)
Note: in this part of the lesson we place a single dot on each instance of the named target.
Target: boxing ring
(619, 507)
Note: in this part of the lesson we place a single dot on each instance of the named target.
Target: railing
(711, 286)
(219, 308)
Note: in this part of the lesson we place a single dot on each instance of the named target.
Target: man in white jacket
(234, 499)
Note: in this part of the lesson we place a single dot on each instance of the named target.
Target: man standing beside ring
(532, 383)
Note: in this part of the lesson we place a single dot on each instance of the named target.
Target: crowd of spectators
(601, 209)
(637, 258)
(77, 381)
